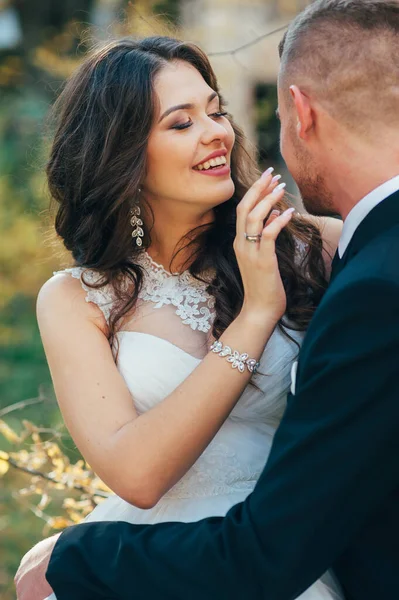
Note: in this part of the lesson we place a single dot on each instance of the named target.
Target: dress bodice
(165, 341)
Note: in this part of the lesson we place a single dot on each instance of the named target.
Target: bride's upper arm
(330, 230)
(93, 397)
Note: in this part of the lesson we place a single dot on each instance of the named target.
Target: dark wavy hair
(98, 159)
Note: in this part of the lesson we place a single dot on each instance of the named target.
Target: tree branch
(248, 44)
(80, 488)
(21, 404)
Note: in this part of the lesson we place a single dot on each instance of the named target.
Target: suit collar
(360, 211)
(380, 219)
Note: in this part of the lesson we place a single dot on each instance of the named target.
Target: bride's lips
(219, 171)
(214, 154)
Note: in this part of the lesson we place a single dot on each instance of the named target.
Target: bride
(171, 340)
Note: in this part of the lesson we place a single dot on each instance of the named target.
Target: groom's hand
(30, 579)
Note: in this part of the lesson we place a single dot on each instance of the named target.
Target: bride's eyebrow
(184, 106)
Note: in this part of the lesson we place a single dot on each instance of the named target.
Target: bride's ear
(303, 110)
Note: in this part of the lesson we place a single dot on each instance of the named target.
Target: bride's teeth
(213, 162)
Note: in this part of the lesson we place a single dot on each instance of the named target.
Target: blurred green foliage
(267, 123)
(25, 262)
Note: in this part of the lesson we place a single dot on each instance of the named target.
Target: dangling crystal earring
(137, 224)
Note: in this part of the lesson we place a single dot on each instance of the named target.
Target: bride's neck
(167, 233)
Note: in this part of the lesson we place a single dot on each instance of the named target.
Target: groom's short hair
(347, 53)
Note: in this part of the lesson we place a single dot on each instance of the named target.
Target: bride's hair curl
(104, 117)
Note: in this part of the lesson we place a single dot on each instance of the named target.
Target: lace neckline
(158, 266)
(193, 303)
(151, 266)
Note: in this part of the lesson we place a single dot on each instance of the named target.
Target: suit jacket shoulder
(379, 258)
(359, 310)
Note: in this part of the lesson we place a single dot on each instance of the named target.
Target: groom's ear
(304, 112)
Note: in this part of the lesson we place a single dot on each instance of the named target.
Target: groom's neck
(355, 168)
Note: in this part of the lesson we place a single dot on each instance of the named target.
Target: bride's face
(188, 129)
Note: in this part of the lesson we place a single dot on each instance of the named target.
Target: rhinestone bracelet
(237, 360)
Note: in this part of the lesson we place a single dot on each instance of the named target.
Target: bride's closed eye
(215, 115)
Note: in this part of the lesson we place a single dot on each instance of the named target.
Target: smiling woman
(153, 349)
(185, 143)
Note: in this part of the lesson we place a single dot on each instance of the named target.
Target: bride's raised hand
(255, 248)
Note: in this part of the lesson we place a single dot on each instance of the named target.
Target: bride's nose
(213, 131)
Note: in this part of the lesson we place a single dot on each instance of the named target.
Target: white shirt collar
(362, 209)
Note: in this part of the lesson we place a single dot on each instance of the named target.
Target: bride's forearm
(164, 442)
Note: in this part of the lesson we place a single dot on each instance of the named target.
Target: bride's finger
(273, 184)
(270, 232)
(257, 216)
(275, 213)
(259, 189)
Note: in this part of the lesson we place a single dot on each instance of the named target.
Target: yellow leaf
(9, 433)
(53, 450)
(36, 438)
(58, 522)
(22, 456)
(75, 516)
(59, 465)
(59, 486)
(69, 503)
(4, 466)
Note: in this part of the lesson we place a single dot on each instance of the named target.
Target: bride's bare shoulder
(330, 231)
(62, 299)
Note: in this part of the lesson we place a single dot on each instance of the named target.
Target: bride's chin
(223, 197)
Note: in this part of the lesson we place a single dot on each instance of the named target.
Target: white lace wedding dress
(164, 341)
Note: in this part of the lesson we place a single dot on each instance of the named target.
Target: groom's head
(338, 89)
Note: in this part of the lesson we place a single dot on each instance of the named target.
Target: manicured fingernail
(266, 173)
(280, 187)
(275, 213)
(276, 178)
(289, 211)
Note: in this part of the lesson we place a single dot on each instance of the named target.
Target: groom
(329, 494)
